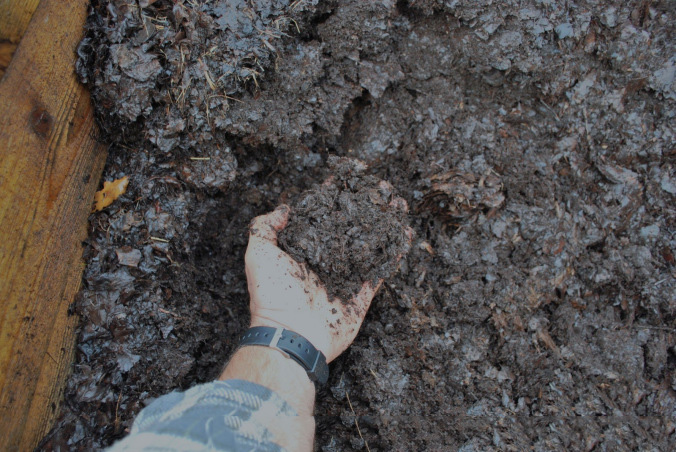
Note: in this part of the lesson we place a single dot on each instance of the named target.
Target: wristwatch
(294, 346)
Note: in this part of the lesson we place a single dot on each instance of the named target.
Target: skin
(284, 293)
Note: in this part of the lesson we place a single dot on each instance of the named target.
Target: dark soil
(534, 141)
(348, 231)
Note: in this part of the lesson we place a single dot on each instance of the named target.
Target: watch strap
(292, 345)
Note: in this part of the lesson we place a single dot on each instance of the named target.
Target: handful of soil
(349, 230)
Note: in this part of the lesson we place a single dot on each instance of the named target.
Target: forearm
(270, 368)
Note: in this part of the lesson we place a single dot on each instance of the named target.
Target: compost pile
(534, 143)
(349, 230)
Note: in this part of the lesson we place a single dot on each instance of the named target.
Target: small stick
(355, 421)
(550, 109)
(200, 158)
(157, 239)
(173, 314)
(117, 407)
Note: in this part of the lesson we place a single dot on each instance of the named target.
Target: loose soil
(349, 230)
(534, 142)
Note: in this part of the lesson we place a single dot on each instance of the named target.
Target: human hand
(286, 294)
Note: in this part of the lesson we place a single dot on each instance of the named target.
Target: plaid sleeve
(219, 416)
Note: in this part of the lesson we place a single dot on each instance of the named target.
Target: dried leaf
(456, 196)
(543, 335)
(128, 256)
(618, 175)
(110, 192)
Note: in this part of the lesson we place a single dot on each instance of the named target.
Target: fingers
(366, 294)
(266, 227)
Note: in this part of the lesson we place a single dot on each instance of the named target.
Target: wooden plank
(6, 53)
(15, 16)
(50, 166)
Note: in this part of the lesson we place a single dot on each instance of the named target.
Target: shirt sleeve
(220, 416)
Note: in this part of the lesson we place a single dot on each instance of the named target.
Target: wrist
(316, 338)
(271, 368)
(292, 345)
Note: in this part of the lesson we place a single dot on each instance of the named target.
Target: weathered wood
(6, 52)
(15, 15)
(50, 165)
(14, 18)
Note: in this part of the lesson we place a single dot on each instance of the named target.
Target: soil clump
(347, 231)
(533, 141)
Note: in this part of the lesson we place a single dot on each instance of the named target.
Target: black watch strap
(294, 346)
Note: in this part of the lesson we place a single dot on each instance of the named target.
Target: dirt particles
(349, 230)
(534, 143)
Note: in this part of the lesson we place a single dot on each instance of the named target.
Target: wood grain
(15, 15)
(50, 166)
(6, 53)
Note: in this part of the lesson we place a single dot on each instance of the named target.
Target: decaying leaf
(456, 196)
(128, 256)
(110, 192)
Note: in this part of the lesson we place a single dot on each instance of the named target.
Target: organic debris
(195, 59)
(109, 193)
(349, 230)
(456, 195)
(543, 320)
(213, 173)
(128, 256)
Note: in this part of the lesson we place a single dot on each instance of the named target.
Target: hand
(286, 294)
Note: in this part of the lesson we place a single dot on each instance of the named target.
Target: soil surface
(534, 142)
(349, 230)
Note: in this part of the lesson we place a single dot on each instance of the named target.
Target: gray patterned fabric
(219, 416)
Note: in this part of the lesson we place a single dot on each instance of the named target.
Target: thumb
(266, 227)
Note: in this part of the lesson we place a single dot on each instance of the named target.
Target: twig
(117, 407)
(173, 314)
(355, 421)
(550, 109)
(296, 24)
(207, 74)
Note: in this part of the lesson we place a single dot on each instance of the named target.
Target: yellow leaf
(110, 192)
